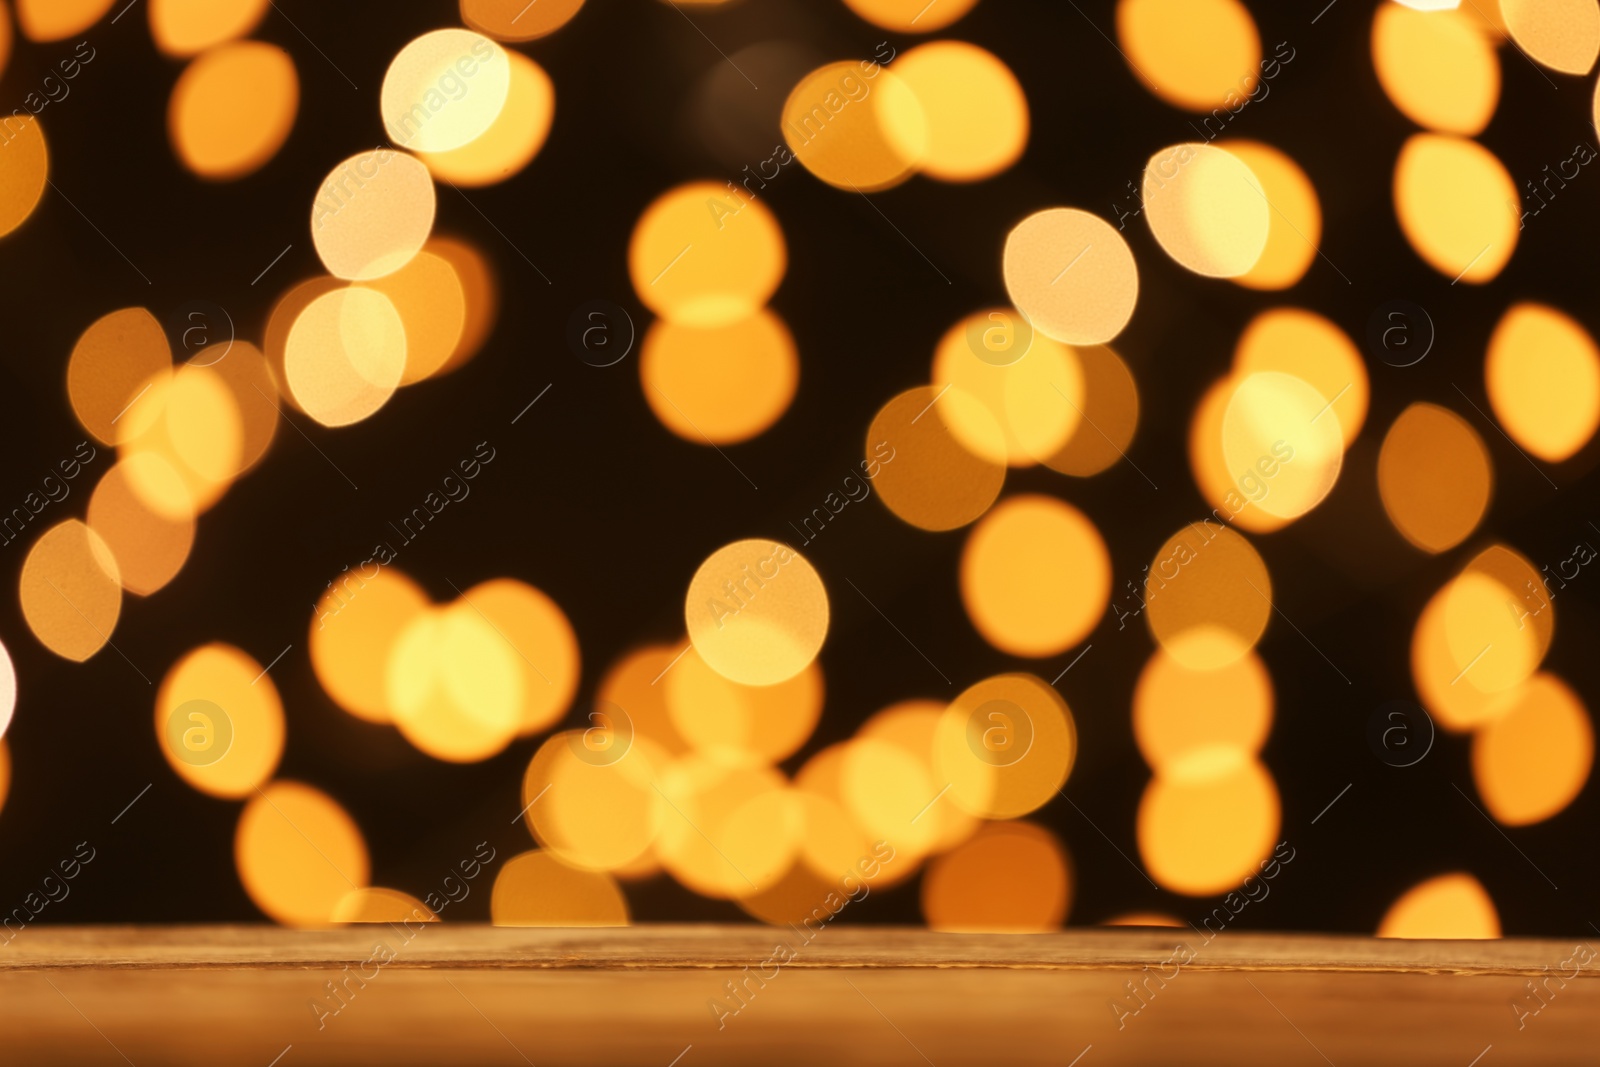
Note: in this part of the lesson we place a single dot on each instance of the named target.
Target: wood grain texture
(456, 993)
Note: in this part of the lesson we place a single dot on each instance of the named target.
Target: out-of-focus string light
(1448, 907)
(1543, 376)
(233, 108)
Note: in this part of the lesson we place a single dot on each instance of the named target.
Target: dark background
(594, 502)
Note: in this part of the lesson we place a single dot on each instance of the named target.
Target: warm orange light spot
(1143, 918)
(727, 831)
(537, 634)
(372, 213)
(1564, 35)
(517, 20)
(71, 590)
(1283, 445)
(233, 108)
(1207, 209)
(1110, 415)
(798, 895)
(1192, 725)
(433, 308)
(536, 889)
(1013, 877)
(285, 313)
(856, 125)
(243, 370)
(1201, 837)
(884, 787)
(1543, 375)
(1217, 483)
(378, 905)
(7, 38)
(595, 813)
(1457, 206)
(1435, 477)
(1035, 576)
(1449, 907)
(925, 474)
(8, 704)
(298, 854)
(191, 421)
(515, 137)
(24, 169)
(112, 362)
(1534, 760)
(736, 723)
(150, 547)
(757, 612)
(723, 384)
(345, 355)
(1072, 275)
(455, 686)
(54, 20)
(911, 16)
(636, 685)
(703, 255)
(1295, 227)
(913, 725)
(353, 630)
(1006, 746)
(1309, 347)
(188, 27)
(444, 89)
(1194, 54)
(1209, 596)
(482, 295)
(1438, 67)
(976, 111)
(219, 721)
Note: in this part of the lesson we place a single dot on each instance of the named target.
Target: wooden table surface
(462, 994)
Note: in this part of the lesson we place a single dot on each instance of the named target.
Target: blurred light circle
(1543, 378)
(219, 721)
(1283, 450)
(991, 781)
(512, 140)
(1534, 760)
(1437, 67)
(444, 89)
(432, 304)
(720, 385)
(702, 255)
(1457, 206)
(1194, 725)
(1209, 596)
(913, 725)
(594, 816)
(1109, 419)
(150, 547)
(741, 724)
(1212, 473)
(1012, 877)
(188, 27)
(298, 853)
(1206, 209)
(1204, 837)
(233, 108)
(728, 832)
(1434, 476)
(71, 590)
(372, 213)
(1295, 229)
(1035, 576)
(1194, 54)
(24, 171)
(856, 125)
(911, 16)
(355, 625)
(345, 355)
(455, 685)
(518, 20)
(537, 889)
(55, 20)
(925, 474)
(1450, 907)
(8, 700)
(1309, 347)
(757, 612)
(635, 685)
(542, 640)
(375, 904)
(1072, 275)
(112, 362)
(976, 111)
(1564, 35)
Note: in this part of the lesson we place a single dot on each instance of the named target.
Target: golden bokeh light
(739, 724)
(634, 685)
(703, 255)
(1456, 205)
(376, 904)
(71, 590)
(720, 385)
(1437, 67)
(55, 20)
(1295, 228)
(242, 369)
(911, 16)
(1564, 35)
(728, 832)
(925, 474)
(24, 171)
(1209, 596)
(188, 27)
(537, 889)
(432, 304)
(1035, 576)
(444, 89)
(1449, 907)
(354, 627)
(1071, 275)
(1194, 54)
(1143, 918)
(1005, 746)
(114, 360)
(233, 108)
(913, 725)
(372, 213)
(977, 113)
(1202, 837)
(1282, 443)
(1434, 476)
(536, 631)
(482, 293)
(345, 355)
(594, 811)
(884, 788)
(280, 322)
(190, 420)
(150, 547)
(1012, 877)
(757, 612)
(8, 703)
(856, 125)
(1217, 483)
(1207, 209)
(517, 20)
(1192, 725)
(1309, 347)
(455, 686)
(1532, 761)
(1543, 378)
(298, 853)
(512, 140)
(1110, 415)
(219, 721)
